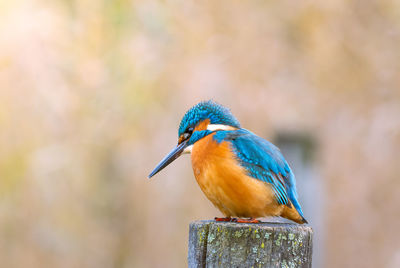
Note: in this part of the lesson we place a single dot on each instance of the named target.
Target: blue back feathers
(263, 161)
(216, 113)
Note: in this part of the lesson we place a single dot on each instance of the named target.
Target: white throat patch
(188, 149)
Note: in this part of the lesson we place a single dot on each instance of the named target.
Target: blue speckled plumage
(217, 114)
(198, 135)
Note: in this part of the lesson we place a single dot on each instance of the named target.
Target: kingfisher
(245, 176)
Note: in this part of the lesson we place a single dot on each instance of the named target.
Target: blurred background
(92, 92)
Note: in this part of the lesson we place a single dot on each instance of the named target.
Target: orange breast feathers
(227, 185)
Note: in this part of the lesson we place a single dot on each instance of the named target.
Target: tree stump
(229, 244)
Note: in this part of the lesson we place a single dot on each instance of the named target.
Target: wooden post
(226, 244)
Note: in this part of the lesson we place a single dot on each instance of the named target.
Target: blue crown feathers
(217, 114)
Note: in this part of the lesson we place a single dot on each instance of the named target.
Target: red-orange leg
(226, 219)
(229, 219)
(251, 220)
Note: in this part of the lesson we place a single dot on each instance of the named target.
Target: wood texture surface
(225, 244)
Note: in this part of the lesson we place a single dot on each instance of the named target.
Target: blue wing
(263, 161)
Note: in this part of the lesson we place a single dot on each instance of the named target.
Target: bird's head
(198, 122)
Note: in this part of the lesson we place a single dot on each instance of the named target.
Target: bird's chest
(220, 177)
(212, 165)
(225, 182)
(212, 162)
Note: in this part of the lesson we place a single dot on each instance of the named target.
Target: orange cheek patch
(202, 125)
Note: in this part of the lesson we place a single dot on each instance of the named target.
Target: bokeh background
(92, 92)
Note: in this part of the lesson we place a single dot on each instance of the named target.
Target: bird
(245, 176)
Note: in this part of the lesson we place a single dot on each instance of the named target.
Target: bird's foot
(229, 219)
(226, 219)
(251, 220)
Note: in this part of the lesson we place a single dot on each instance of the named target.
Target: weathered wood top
(269, 244)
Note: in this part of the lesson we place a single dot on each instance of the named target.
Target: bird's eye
(187, 133)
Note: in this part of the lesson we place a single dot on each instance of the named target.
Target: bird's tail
(293, 209)
(291, 213)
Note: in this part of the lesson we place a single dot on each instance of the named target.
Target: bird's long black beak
(174, 154)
